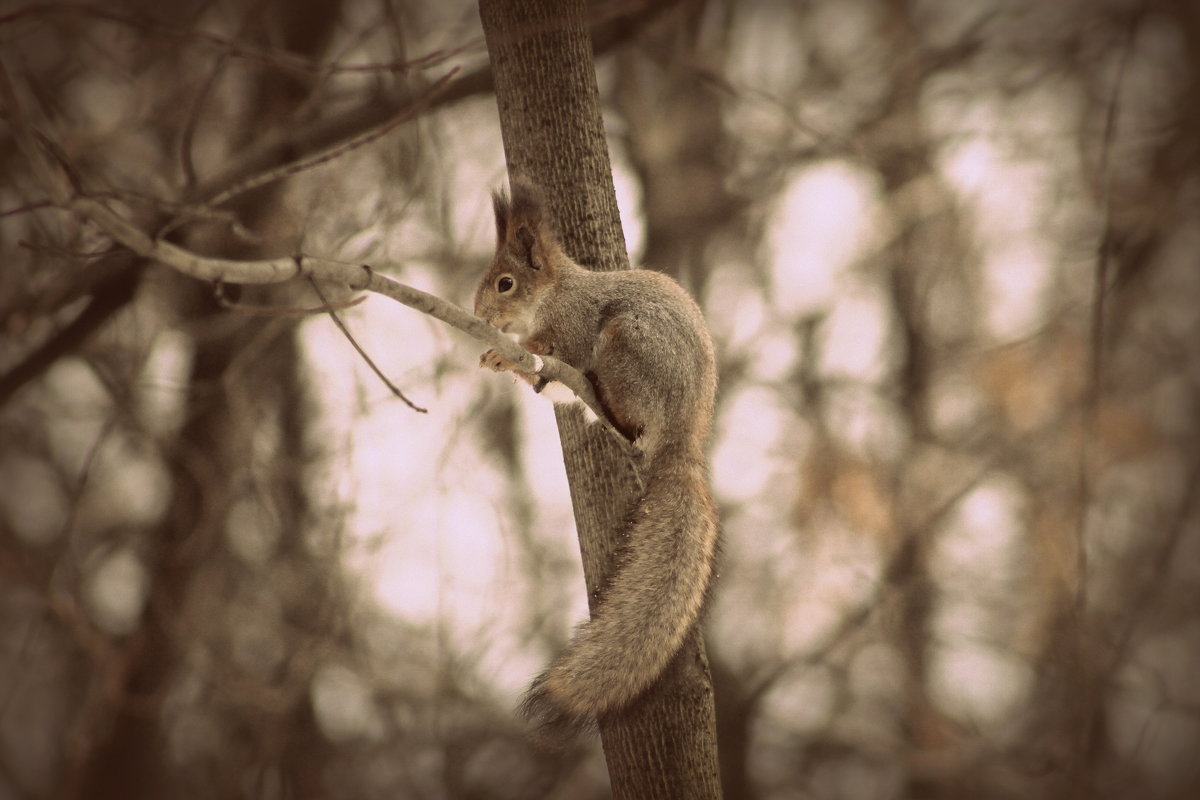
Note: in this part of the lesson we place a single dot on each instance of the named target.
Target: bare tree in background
(969, 566)
(863, 90)
(221, 656)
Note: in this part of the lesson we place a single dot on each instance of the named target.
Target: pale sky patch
(816, 232)
(854, 335)
(748, 450)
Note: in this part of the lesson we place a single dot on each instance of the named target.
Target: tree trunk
(664, 746)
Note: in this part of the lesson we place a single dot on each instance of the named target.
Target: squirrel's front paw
(496, 362)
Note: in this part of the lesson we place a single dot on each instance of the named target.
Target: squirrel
(641, 341)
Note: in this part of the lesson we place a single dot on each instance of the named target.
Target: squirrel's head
(526, 265)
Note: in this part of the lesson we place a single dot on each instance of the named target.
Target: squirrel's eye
(504, 284)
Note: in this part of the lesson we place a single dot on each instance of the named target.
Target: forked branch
(57, 179)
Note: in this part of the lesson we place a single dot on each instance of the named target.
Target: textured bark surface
(665, 745)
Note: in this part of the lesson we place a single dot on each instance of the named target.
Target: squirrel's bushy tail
(651, 603)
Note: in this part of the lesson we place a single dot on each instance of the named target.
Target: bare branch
(284, 311)
(338, 148)
(612, 28)
(277, 58)
(54, 174)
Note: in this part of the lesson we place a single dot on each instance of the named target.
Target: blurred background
(947, 250)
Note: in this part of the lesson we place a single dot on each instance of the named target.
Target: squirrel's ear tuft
(526, 202)
(502, 209)
(525, 240)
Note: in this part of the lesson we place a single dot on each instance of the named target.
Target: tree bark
(664, 746)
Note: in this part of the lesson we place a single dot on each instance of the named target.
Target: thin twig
(1081, 749)
(1093, 388)
(341, 326)
(25, 209)
(275, 58)
(340, 148)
